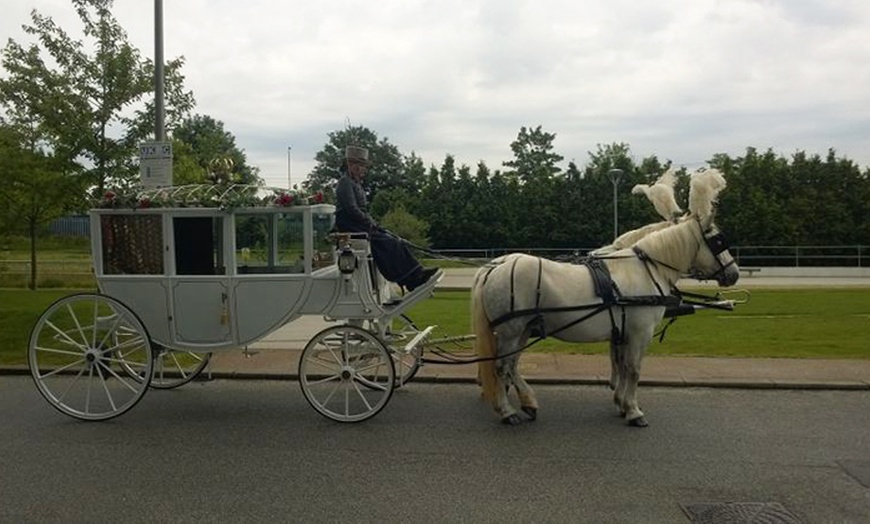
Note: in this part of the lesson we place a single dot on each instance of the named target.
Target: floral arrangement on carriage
(230, 196)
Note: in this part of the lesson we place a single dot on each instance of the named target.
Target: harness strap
(646, 259)
(513, 270)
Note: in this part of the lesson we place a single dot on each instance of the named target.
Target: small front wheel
(81, 352)
(401, 331)
(346, 374)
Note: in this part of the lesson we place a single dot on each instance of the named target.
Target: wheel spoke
(72, 383)
(121, 380)
(59, 351)
(110, 331)
(105, 386)
(65, 336)
(79, 328)
(361, 395)
(324, 380)
(62, 368)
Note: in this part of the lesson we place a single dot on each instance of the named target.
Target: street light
(159, 104)
(289, 177)
(615, 176)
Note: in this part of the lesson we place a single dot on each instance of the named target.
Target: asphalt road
(254, 451)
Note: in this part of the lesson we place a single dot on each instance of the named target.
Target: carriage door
(200, 290)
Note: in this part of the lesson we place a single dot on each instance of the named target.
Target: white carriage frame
(205, 313)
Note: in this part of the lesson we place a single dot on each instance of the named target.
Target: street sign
(155, 164)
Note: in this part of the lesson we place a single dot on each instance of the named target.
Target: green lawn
(812, 323)
(803, 323)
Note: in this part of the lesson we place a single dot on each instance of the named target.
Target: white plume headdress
(661, 194)
(704, 188)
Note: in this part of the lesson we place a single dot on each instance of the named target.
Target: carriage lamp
(347, 263)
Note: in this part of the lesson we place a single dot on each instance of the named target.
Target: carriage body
(206, 279)
(179, 283)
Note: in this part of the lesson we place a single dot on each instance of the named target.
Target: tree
(199, 140)
(78, 103)
(533, 156)
(386, 168)
(34, 188)
(407, 226)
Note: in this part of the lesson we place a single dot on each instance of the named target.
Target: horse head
(714, 261)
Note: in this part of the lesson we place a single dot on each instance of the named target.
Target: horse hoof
(512, 420)
(531, 412)
(639, 422)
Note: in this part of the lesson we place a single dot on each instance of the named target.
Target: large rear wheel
(346, 374)
(81, 352)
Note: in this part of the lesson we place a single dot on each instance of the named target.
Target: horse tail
(484, 340)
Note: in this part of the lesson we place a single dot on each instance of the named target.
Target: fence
(71, 226)
(768, 256)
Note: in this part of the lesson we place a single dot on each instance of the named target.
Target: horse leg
(620, 370)
(614, 366)
(505, 371)
(633, 357)
(528, 399)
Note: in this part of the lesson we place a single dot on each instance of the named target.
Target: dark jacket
(351, 207)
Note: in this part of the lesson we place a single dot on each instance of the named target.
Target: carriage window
(324, 250)
(132, 244)
(270, 243)
(199, 246)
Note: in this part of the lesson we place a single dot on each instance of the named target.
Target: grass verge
(776, 323)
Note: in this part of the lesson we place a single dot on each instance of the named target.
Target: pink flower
(318, 197)
(144, 203)
(109, 196)
(284, 200)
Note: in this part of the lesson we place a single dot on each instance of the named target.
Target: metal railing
(779, 256)
(769, 256)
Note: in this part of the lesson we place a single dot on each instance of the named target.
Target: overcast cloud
(679, 79)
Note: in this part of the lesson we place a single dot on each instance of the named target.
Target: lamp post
(289, 176)
(615, 176)
(159, 105)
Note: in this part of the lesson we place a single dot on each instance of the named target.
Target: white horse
(525, 293)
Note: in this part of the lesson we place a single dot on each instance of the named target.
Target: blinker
(716, 243)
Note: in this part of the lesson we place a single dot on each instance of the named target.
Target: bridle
(715, 242)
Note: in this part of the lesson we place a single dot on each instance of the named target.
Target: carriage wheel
(407, 364)
(346, 374)
(81, 349)
(172, 367)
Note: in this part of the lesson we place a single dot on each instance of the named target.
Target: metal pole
(289, 164)
(159, 111)
(615, 175)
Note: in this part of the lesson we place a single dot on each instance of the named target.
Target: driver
(392, 257)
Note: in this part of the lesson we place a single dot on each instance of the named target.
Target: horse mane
(629, 238)
(704, 188)
(669, 244)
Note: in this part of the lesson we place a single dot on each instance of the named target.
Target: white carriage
(178, 283)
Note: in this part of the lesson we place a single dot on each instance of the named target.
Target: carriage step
(410, 346)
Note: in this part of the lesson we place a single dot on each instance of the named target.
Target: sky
(679, 79)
